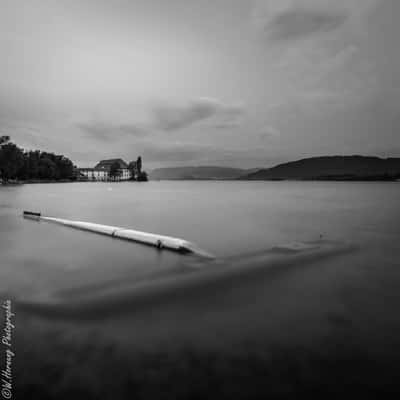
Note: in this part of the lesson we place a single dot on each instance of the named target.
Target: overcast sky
(196, 82)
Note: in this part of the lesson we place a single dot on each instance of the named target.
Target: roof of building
(105, 165)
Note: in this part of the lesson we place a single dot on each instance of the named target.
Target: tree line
(18, 164)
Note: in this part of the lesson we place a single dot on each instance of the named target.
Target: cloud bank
(284, 20)
(301, 22)
(172, 118)
(110, 131)
(162, 80)
(167, 117)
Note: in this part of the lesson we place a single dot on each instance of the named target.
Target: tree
(133, 169)
(11, 160)
(139, 165)
(4, 139)
(142, 177)
(32, 160)
(48, 169)
(65, 167)
(115, 170)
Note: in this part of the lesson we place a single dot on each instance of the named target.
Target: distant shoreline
(325, 168)
(331, 179)
(322, 179)
(49, 181)
(16, 183)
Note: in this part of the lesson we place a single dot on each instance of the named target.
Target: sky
(236, 83)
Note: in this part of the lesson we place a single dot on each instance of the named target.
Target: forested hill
(332, 168)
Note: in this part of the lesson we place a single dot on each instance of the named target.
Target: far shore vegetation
(18, 165)
(34, 166)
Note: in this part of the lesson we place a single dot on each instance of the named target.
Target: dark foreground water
(302, 298)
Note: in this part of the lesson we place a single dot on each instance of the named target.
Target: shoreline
(16, 183)
(50, 181)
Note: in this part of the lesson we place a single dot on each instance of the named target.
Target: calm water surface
(292, 324)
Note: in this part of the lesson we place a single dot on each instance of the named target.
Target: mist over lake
(302, 294)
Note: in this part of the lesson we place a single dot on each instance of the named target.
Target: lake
(302, 296)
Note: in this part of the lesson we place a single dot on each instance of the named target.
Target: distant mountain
(332, 168)
(197, 173)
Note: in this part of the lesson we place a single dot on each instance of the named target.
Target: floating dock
(150, 239)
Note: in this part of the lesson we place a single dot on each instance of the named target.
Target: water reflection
(261, 318)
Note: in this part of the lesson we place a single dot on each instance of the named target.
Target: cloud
(284, 20)
(108, 131)
(174, 152)
(167, 117)
(179, 153)
(300, 22)
(269, 131)
(227, 124)
(173, 118)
